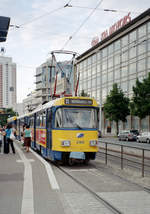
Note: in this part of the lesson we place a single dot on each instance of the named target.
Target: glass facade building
(120, 58)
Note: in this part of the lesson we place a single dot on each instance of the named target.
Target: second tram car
(65, 129)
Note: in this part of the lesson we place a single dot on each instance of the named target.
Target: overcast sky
(45, 25)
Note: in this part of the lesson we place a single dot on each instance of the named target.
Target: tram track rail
(100, 199)
(96, 196)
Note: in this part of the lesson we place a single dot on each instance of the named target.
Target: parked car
(135, 131)
(128, 135)
(144, 137)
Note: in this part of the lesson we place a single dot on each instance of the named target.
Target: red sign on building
(125, 20)
(119, 24)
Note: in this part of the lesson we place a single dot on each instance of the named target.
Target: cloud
(31, 44)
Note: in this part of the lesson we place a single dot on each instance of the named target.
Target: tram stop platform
(24, 184)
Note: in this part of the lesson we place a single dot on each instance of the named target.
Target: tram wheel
(71, 162)
(86, 161)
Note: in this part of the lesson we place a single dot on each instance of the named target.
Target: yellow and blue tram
(12, 120)
(64, 129)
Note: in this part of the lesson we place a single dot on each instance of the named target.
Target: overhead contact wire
(81, 24)
(45, 14)
(105, 9)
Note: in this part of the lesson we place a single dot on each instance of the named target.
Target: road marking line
(20, 161)
(27, 198)
(51, 176)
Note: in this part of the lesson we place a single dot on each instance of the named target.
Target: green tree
(84, 94)
(116, 106)
(140, 105)
(8, 112)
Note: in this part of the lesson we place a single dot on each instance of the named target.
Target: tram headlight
(65, 143)
(93, 142)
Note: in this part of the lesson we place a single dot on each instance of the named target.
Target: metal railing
(122, 154)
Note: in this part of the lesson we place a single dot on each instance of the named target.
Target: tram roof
(10, 119)
(61, 101)
(57, 102)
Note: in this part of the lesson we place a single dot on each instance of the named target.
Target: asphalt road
(133, 144)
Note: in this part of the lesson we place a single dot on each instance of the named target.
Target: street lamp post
(100, 116)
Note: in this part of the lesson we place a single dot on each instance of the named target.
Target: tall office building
(121, 55)
(46, 76)
(7, 82)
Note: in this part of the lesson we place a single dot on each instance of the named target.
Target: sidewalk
(25, 185)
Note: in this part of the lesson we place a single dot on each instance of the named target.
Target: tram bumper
(77, 155)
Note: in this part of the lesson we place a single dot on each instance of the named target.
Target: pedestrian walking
(6, 145)
(27, 137)
(10, 137)
(1, 138)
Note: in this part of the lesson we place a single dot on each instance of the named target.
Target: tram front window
(76, 118)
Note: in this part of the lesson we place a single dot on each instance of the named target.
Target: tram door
(49, 128)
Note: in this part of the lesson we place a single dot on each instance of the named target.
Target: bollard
(121, 157)
(142, 162)
(106, 153)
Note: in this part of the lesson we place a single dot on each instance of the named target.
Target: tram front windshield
(76, 118)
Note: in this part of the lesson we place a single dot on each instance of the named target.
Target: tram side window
(49, 118)
(41, 120)
(44, 119)
(32, 123)
(58, 118)
(38, 120)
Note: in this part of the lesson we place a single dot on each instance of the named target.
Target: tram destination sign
(79, 101)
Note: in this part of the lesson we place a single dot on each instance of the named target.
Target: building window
(124, 56)
(104, 52)
(117, 45)
(132, 68)
(124, 41)
(142, 47)
(98, 80)
(98, 68)
(110, 49)
(104, 94)
(132, 52)
(88, 73)
(117, 74)
(89, 83)
(93, 58)
(148, 27)
(148, 45)
(124, 86)
(144, 124)
(104, 78)
(98, 55)
(148, 62)
(124, 71)
(93, 70)
(94, 83)
(141, 65)
(89, 61)
(110, 76)
(104, 65)
(117, 59)
(132, 36)
(110, 62)
(93, 94)
(142, 31)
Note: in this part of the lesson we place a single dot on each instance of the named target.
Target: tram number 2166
(80, 142)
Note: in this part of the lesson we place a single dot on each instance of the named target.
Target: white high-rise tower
(7, 82)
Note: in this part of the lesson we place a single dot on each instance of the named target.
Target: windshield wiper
(77, 125)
